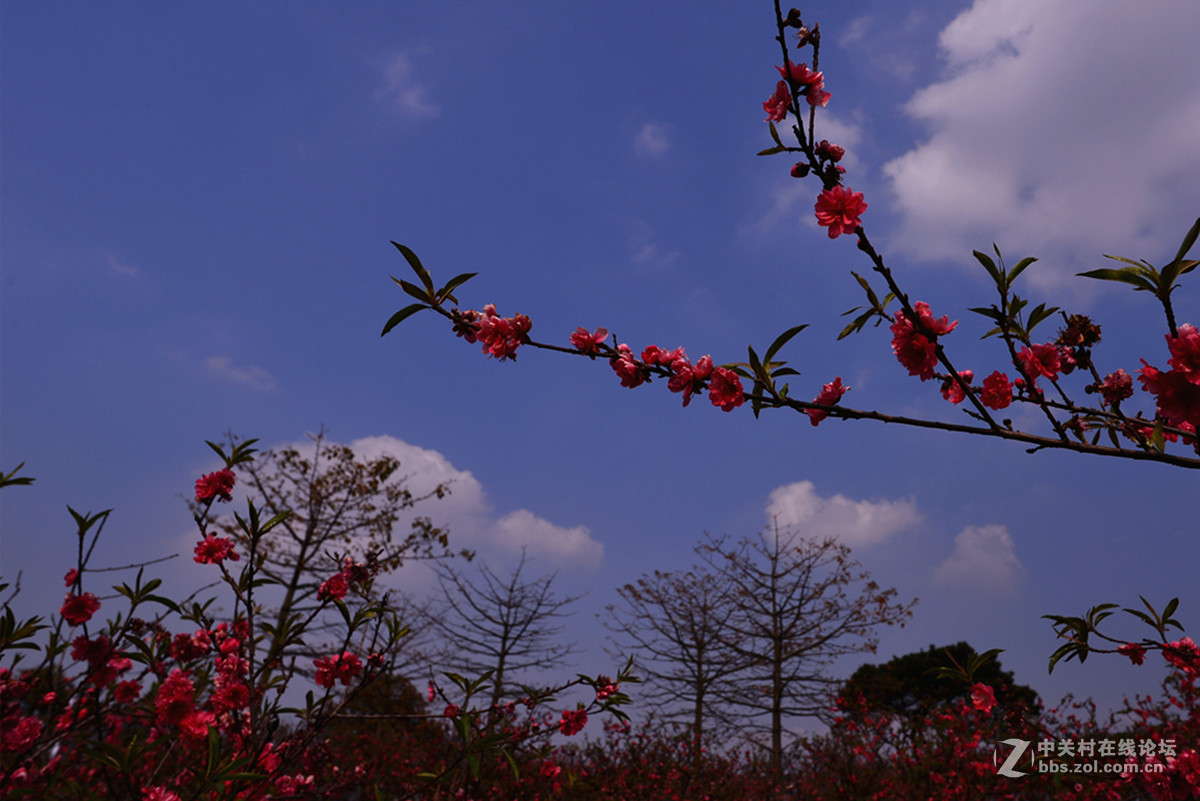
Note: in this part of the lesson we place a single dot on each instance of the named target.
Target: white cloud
(652, 140)
(1046, 138)
(857, 524)
(401, 89)
(984, 560)
(524, 529)
(221, 367)
(472, 521)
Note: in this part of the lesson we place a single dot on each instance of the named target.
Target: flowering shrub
(164, 701)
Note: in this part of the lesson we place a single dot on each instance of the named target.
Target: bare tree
(797, 605)
(502, 625)
(675, 625)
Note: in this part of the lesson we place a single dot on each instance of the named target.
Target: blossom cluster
(217, 485)
(724, 386)
(344, 668)
(500, 336)
(1177, 391)
(573, 721)
(352, 573)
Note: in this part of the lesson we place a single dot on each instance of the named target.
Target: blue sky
(197, 204)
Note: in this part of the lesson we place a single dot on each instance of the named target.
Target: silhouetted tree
(796, 606)
(502, 625)
(674, 624)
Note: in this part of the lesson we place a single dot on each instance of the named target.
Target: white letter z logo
(1018, 748)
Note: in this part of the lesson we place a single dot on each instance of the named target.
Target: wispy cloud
(646, 252)
(119, 267)
(1042, 139)
(984, 560)
(856, 524)
(401, 89)
(222, 368)
(653, 140)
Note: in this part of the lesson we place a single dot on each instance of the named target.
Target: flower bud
(793, 19)
(799, 170)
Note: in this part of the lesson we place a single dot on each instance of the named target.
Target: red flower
(586, 342)
(451, 711)
(916, 347)
(839, 209)
(829, 151)
(952, 391)
(216, 485)
(808, 83)
(78, 609)
(831, 393)
(725, 389)
(71, 577)
(337, 668)
(997, 391)
(94, 652)
(157, 793)
(1041, 360)
(1178, 399)
(19, 735)
(1185, 352)
(777, 104)
(501, 336)
(982, 698)
(624, 365)
(213, 550)
(126, 692)
(689, 378)
(572, 721)
(653, 354)
(1135, 652)
(174, 700)
(334, 587)
(1183, 654)
(1116, 387)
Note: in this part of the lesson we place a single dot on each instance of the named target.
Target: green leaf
(770, 151)
(1019, 268)
(416, 265)
(775, 134)
(1172, 604)
(990, 266)
(8, 480)
(857, 324)
(415, 291)
(1175, 269)
(760, 372)
(871, 297)
(1188, 241)
(1139, 277)
(217, 450)
(453, 284)
(782, 340)
(1039, 314)
(990, 312)
(401, 316)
